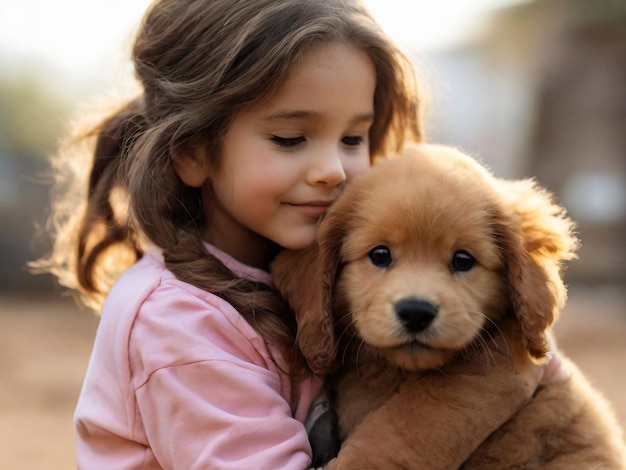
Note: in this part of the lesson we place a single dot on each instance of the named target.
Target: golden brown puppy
(420, 262)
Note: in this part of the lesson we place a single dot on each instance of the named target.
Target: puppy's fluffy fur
(418, 263)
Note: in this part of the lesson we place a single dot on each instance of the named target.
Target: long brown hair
(199, 63)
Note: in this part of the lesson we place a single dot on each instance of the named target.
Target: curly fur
(375, 319)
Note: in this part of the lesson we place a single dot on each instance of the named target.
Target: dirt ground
(45, 345)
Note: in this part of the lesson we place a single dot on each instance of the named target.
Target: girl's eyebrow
(314, 116)
(365, 118)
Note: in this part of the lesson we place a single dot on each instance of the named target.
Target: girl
(254, 115)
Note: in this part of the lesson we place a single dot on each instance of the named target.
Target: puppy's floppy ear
(306, 279)
(298, 275)
(333, 230)
(535, 236)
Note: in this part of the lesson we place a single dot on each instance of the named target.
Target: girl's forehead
(328, 72)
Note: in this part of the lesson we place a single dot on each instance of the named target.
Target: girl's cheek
(359, 169)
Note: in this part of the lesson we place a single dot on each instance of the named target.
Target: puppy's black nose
(416, 314)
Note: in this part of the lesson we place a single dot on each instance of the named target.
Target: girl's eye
(287, 141)
(352, 140)
(462, 261)
(380, 256)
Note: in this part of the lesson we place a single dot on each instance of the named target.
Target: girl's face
(284, 161)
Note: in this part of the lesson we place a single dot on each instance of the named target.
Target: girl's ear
(191, 163)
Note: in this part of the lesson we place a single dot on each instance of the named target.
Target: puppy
(419, 264)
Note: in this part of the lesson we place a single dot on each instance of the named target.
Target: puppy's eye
(380, 256)
(462, 261)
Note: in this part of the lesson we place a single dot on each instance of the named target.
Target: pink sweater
(178, 379)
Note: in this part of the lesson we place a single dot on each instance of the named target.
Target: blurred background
(533, 88)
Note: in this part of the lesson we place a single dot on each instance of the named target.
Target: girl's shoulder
(170, 322)
(150, 290)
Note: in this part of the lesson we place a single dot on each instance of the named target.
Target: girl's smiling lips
(313, 209)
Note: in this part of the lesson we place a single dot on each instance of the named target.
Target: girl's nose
(327, 169)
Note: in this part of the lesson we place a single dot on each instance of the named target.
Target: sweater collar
(240, 269)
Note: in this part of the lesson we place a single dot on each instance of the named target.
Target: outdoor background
(534, 88)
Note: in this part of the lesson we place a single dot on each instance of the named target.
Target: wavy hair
(199, 63)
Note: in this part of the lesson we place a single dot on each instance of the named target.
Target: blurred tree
(33, 116)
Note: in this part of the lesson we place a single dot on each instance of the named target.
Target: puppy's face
(419, 255)
(422, 272)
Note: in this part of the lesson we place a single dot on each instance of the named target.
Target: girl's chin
(300, 240)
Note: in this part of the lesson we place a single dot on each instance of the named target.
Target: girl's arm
(207, 391)
(220, 415)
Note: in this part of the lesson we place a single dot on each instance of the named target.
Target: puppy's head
(421, 254)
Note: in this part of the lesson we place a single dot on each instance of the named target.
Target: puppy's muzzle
(416, 314)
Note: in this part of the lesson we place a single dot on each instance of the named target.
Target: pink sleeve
(213, 414)
(208, 393)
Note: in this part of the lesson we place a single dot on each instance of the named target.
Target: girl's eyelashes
(287, 141)
(353, 140)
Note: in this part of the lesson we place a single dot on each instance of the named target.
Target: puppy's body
(565, 426)
(420, 263)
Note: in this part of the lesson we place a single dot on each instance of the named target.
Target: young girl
(254, 115)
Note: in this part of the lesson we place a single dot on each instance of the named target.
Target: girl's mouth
(313, 209)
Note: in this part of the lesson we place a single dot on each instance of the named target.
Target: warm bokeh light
(533, 88)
